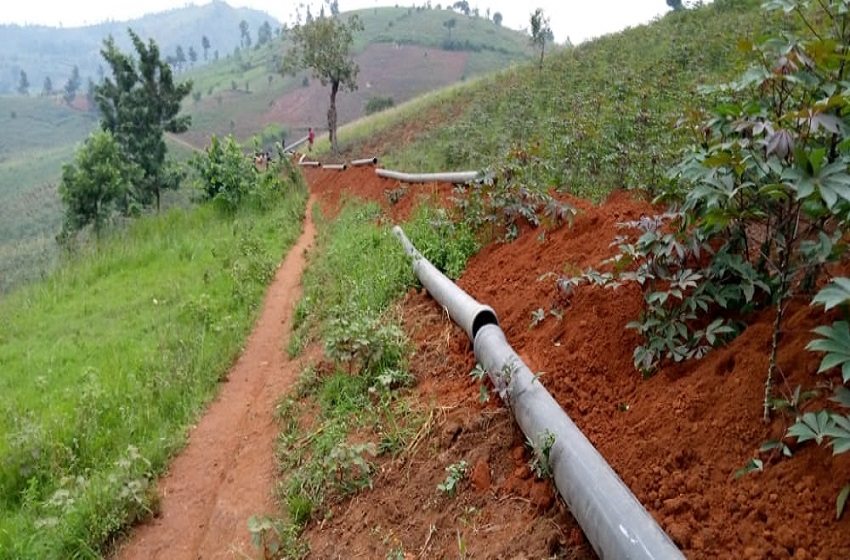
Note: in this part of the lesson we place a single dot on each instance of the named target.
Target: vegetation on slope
(108, 361)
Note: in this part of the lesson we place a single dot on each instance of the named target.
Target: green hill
(401, 54)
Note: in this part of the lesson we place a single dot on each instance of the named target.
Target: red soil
(676, 439)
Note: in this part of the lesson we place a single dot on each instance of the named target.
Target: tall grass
(105, 365)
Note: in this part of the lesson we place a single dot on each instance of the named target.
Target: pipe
(337, 166)
(295, 144)
(309, 163)
(465, 311)
(449, 177)
(364, 161)
(615, 522)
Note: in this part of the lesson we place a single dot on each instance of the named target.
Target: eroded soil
(676, 439)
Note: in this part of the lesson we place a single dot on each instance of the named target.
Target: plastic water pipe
(309, 163)
(615, 522)
(295, 144)
(449, 177)
(336, 166)
(364, 161)
(465, 311)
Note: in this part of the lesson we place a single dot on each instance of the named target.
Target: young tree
(497, 18)
(48, 87)
(92, 187)
(205, 44)
(540, 32)
(325, 47)
(138, 104)
(72, 86)
(24, 84)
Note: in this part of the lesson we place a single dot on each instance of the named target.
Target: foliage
(324, 46)
(95, 186)
(225, 173)
(512, 193)
(138, 104)
(540, 32)
(456, 473)
(377, 104)
(276, 539)
(541, 450)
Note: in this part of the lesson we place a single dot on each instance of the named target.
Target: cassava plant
(769, 182)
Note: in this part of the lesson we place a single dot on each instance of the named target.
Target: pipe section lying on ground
(465, 311)
(309, 163)
(337, 166)
(449, 177)
(364, 161)
(295, 144)
(615, 522)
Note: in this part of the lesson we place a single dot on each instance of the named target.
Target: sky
(577, 19)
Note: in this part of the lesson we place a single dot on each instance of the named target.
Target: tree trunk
(332, 117)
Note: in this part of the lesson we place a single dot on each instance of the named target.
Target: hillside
(42, 51)
(401, 54)
(392, 443)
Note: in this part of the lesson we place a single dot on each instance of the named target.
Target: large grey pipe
(464, 310)
(449, 177)
(364, 161)
(615, 522)
(336, 166)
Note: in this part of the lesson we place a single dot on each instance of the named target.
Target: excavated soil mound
(676, 439)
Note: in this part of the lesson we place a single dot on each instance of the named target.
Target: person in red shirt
(310, 137)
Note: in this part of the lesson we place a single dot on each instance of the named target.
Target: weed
(541, 450)
(456, 473)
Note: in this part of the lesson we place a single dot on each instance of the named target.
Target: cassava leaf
(833, 294)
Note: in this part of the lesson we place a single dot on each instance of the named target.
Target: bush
(377, 104)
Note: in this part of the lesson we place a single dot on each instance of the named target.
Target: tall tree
(180, 56)
(193, 55)
(462, 6)
(24, 84)
(205, 43)
(450, 24)
(497, 18)
(245, 35)
(264, 33)
(540, 32)
(334, 7)
(675, 4)
(72, 86)
(48, 86)
(324, 46)
(138, 104)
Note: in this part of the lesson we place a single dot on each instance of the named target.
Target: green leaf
(834, 294)
(841, 501)
(811, 426)
(842, 397)
(836, 344)
(752, 465)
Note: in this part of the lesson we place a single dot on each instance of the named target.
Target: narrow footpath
(226, 472)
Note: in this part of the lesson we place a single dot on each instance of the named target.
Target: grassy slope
(105, 364)
(597, 117)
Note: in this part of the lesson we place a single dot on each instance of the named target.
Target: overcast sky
(577, 19)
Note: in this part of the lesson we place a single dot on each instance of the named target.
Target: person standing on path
(310, 137)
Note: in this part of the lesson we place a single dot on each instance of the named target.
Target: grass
(597, 117)
(106, 363)
(358, 410)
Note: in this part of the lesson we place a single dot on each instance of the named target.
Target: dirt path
(226, 473)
